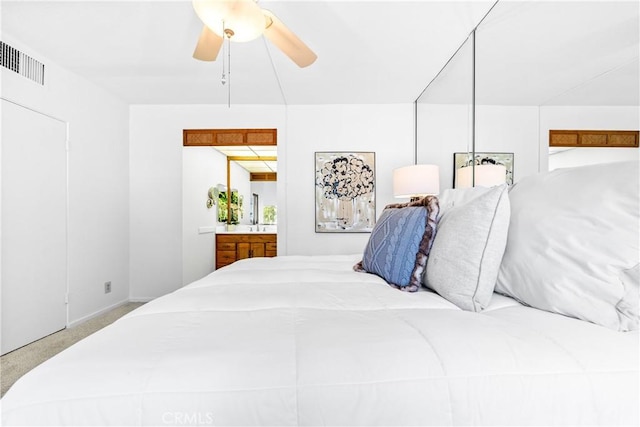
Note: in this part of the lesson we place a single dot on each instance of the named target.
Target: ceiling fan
(244, 20)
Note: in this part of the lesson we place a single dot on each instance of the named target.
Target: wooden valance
(229, 137)
(593, 138)
(263, 176)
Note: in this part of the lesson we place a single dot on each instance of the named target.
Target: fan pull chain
(224, 76)
(229, 70)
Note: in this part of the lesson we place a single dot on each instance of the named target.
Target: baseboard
(96, 314)
(141, 299)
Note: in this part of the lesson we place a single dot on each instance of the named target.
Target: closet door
(34, 226)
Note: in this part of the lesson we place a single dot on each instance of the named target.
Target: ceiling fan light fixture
(244, 17)
(242, 21)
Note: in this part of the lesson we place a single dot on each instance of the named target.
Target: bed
(306, 340)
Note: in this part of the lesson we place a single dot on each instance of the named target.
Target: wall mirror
(252, 176)
(538, 66)
(444, 114)
(555, 65)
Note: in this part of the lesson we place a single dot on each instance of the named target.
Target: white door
(34, 226)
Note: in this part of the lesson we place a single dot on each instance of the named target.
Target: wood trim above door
(263, 176)
(593, 138)
(228, 137)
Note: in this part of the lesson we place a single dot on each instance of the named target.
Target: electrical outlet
(107, 287)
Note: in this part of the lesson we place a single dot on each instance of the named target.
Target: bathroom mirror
(252, 172)
(256, 182)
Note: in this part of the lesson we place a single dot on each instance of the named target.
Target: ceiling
(258, 154)
(368, 51)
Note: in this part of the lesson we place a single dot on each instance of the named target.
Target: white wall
(98, 162)
(385, 129)
(203, 168)
(572, 117)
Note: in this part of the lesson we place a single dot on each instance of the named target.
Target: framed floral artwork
(345, 192)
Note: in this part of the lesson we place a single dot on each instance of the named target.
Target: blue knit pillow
(399, 244)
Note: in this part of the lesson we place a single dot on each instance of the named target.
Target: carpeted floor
(15, 364)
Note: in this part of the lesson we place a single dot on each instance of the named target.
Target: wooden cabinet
(232, 247)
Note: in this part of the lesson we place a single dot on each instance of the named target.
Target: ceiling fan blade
(288, 42)
(208, 46)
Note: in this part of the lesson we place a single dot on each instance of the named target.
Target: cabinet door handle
(250, 253)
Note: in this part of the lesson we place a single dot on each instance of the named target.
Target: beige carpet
(15, 364)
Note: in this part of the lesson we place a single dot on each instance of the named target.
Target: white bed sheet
(306, 341)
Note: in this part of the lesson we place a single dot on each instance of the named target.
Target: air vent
(21, 63)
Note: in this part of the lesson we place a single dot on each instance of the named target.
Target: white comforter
(307, 341)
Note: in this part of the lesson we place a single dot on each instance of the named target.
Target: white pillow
(452, 197)
(465, 257)
(573, 243)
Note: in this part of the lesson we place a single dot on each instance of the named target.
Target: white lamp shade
(416, 181)
(486, 176)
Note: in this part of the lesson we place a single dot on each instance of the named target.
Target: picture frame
(482, 158)
(345, 196)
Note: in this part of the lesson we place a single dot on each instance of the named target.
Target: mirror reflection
(252, 177)
(264, 202)
(236, 208)
(538, 66)
(444, 114)
(555, 65)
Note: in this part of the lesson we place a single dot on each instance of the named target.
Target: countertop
(247, 232)
(269, 229)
